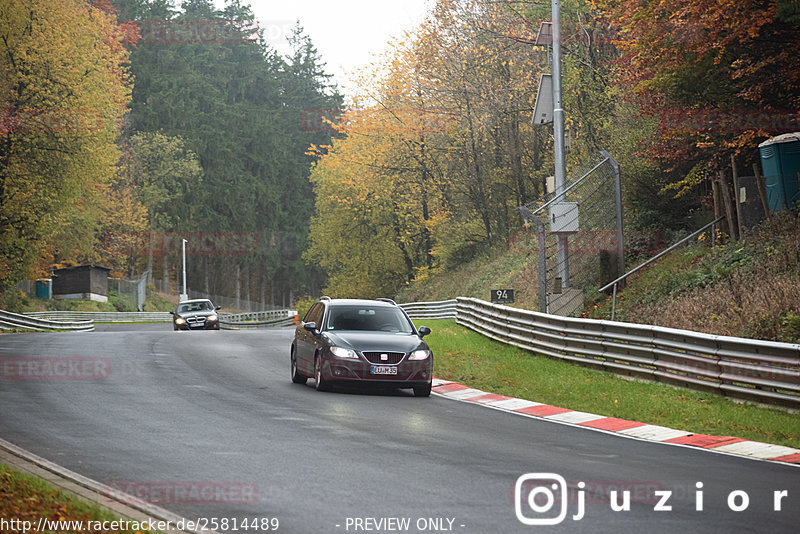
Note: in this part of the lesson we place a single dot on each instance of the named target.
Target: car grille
(392, 358)
(196, 320)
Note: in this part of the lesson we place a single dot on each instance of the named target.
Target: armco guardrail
(762, 371)
(104, 317)
(443, 309)
(14, 321)
(262, 319)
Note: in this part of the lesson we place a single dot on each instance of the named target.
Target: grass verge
(467, 357)
(514, 268)
(748, 288)
(27, 498)
(17, 302)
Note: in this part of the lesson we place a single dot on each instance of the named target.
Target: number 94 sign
(502, 296)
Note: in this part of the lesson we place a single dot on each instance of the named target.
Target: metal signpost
(502, 296)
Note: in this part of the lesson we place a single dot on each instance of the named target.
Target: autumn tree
(438, 153)
(706, 69)
(480, 67)
(164, 177)
(63, 94)
(361, 233)
(121, 216)
(163, 174)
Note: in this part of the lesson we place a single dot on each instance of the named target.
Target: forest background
(128, 124)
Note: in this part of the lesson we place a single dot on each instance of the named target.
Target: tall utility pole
(184, 295)
(562, 245)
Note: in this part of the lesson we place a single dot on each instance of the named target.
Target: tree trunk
(736, 193)
(150, 258)
(762, 191)
(730, 214)
(717, 207)
(473, 163)
(205, 276)
(516, 162)
(263, 285)
(165, 272)
(426, 232)
(246, 280)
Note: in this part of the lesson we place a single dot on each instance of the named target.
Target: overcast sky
(346, 33)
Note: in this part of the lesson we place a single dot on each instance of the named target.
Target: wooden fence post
(736, 197)
(717, 209)
(729, 210)
(762, 191)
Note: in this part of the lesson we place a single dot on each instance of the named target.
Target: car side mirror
(424, 331)
(311, 327)
(218, 308)
(172, 313)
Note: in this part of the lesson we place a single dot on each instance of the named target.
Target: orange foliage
(721, 74)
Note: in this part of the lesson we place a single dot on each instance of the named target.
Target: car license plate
(383, 370)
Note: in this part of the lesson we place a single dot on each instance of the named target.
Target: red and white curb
(622, 427)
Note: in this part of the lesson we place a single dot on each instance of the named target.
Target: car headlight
(343, 353)
(180, 320)
(419, 354)
(212, 317)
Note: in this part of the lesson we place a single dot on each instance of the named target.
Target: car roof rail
(325, 297)
(384, 299)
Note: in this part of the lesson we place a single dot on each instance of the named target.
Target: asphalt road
(208, 425)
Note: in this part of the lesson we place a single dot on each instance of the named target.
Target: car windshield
(377, 318)
(195, 306)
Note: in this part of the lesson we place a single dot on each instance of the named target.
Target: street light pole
(184, 295)
(562, 251)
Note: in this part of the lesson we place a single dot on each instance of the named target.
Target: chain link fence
(579, 236)
(131, 293)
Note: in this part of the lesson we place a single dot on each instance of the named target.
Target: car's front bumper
(408, 373)
(208, 325)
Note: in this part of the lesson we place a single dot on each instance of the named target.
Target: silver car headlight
(420, 354)
(343, 353)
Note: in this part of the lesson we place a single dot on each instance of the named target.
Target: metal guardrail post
(618, 202)
(541, 236)
(614, 303)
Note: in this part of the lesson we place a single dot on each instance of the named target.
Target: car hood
(200, 313)
(376, 341)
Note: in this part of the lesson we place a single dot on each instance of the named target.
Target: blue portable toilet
(780, 163)
(44, 288)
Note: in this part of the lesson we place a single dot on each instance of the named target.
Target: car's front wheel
(322, 384)
(423, 391)
(297, 378)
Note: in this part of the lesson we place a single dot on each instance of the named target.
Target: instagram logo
(542, 492)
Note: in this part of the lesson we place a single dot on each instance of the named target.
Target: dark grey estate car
(361, 342)
(197, 314)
